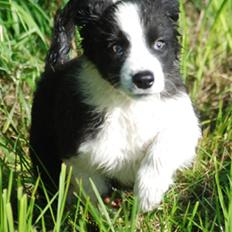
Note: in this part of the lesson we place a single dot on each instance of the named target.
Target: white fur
(142, 142)
(140, 58)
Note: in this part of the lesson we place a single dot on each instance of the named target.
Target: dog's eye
(159, 45)
(118, 49)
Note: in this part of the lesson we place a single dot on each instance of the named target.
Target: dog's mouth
(142, 84)
(135, 92)
(135, 86)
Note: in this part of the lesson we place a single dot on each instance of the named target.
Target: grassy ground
(201, 199)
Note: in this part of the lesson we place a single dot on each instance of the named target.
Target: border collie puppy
(120, 112)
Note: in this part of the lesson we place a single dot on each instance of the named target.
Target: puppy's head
(133, 43)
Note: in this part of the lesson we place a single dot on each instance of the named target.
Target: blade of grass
(64, 183)
(102, 206)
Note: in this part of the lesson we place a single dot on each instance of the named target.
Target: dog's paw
(150, 196)
(149, 199)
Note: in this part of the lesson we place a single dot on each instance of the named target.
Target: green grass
(200, 200)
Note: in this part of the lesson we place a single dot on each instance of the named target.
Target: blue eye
(118, 49)
(159, 45)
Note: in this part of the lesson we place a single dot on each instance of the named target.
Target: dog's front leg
(164, 156)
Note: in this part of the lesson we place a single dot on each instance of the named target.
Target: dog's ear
(85, 11)
(172, 8)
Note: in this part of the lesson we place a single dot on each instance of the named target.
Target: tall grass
(201, 199)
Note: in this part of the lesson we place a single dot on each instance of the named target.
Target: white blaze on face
(139, 58)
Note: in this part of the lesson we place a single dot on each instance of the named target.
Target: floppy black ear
(84, 11)
(172, 8)
(76, 12)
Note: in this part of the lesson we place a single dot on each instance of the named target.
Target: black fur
(59, 120)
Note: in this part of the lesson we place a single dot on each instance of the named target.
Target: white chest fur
(127, 133)
(122, 140)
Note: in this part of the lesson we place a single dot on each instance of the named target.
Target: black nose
(143, 80)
